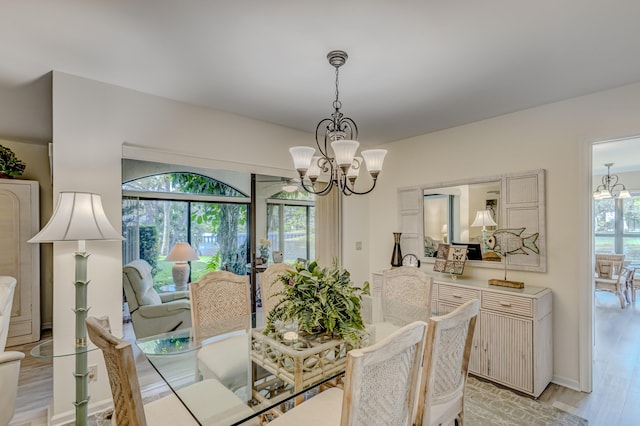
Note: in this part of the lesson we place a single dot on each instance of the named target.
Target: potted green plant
(320, 300)
(10, 166)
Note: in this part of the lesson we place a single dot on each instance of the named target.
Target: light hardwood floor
(614, 401)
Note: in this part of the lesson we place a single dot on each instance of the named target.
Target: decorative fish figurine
(510, 241)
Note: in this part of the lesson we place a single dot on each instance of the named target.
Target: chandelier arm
(353, 127)
(353, 191)
(324, 151)
(314, 191)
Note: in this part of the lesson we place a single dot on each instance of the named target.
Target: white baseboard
(566, 382)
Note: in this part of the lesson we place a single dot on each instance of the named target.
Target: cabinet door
(508, 347)
(475, 357)
(21, 260)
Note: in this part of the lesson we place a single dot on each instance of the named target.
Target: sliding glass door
(185, 210)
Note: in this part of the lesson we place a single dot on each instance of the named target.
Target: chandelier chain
(337, 104)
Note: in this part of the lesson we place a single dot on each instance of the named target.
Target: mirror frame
(522, 205)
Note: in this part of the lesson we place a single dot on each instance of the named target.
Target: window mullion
(619, 227)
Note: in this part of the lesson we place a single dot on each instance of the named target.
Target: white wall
(552, 137)
(91, 122)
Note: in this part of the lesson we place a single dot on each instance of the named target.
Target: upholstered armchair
(9, 361)
(7, 288)
(152, 312)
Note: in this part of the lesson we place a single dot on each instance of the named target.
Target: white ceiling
(414, 66)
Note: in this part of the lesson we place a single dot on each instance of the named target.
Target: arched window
(163, 209)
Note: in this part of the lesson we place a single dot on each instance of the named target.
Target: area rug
(485, 405)
(489, 405)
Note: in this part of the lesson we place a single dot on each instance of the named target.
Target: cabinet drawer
(507, 304)
(456, 295)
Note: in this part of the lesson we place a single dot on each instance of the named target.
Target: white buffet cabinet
(512, 343)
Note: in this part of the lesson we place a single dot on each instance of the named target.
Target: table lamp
(79, 216)
(181, 253)
(484, 219)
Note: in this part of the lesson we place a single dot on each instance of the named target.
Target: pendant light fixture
(610, 187)
(341, 166)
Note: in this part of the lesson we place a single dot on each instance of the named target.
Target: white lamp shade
(314, 169)
(354, 170)
(301, 156)
(374, 159)
(483, 218)
(78, 216)
(605, 193)
(181, 252)
(344, 151)
(290, 187)
(624, 194)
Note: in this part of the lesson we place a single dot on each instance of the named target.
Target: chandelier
(610, 186)
(340, 167)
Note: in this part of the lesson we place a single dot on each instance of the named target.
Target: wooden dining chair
(612, 276)
(445, 366)
(381, 385)
(270, 285)
(214, 400)
(406, 297)
(218, 298)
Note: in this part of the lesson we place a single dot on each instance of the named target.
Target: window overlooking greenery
(291, 225)
(154, 222)
(181, 183)
(617, 226)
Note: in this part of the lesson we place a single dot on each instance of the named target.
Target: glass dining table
(278, 367)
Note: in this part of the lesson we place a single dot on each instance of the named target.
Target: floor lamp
(79, 216)
(484, 219)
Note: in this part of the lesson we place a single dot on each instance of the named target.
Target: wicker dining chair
(270, 285)
(611, 275)
(219, 402)
(445, 366)
(381, 385)
(406, 297)
(220, 297)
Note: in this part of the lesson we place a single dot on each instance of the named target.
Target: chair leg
(621, 297)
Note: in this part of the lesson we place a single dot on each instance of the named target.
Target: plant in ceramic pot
(10, 166)
(320, 300)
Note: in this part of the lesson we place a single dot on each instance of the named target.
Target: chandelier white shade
(302, 156)
(484, 219)
(341, 166)
(610, 187)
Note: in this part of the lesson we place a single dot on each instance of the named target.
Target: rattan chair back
(121, 369)
(271, 285)
(381, 380)
(446, 362)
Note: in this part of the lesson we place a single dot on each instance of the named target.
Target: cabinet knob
(504, 303)
(456, 295)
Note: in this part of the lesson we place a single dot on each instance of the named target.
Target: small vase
(396, 256)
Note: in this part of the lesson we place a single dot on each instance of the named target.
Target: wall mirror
(468, 211)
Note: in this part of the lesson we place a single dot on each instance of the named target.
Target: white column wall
(91, 122)
(553, 137)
